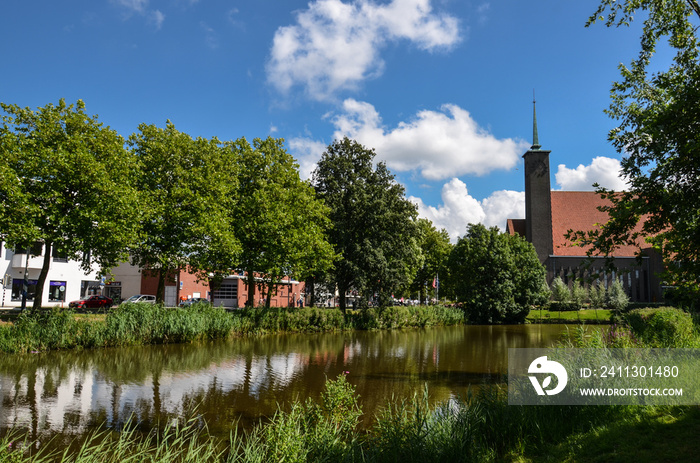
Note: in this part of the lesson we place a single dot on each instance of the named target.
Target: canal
(243, 380)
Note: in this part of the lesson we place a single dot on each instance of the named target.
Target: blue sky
(442, 89)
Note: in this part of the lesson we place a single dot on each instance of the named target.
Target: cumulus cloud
(438, 144)
(459, 209)
(602, 170)
(307, 152)
(334, 46)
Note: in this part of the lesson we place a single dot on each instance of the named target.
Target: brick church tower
(538, 198)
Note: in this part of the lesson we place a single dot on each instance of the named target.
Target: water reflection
(244, 379)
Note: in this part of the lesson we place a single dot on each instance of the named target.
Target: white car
(141, 298)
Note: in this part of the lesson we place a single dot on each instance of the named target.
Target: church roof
(516, 227)
(578, 211)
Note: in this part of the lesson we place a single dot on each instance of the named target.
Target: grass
(479, 427)
(583, 315)
(143, 324)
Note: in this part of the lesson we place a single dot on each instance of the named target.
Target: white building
(65, 282)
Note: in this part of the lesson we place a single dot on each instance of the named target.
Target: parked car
(194, 300)
(92, 302)
(141, 298)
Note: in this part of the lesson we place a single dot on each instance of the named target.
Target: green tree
(496, 276)
(67, 182)
(374, 226)
(435, 250)
(278, 219)
(188, 186)
(659, 117)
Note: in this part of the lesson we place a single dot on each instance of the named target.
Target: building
(549, 215)
(65, 282)
(127, 280)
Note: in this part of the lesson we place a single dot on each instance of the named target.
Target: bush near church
(496, 277)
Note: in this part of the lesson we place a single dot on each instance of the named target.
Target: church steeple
(535, 138)
(538, 201)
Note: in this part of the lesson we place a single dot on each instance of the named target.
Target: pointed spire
(535, 138)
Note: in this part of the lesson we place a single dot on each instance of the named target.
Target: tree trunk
(268, 296)
(42, 277)
(250, 282)
(160, 292)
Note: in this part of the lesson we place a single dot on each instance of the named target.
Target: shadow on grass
(660, 435)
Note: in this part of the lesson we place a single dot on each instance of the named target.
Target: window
(34, 250)
(17, 289)
(89, 288)
(59, 256)
(57, 291)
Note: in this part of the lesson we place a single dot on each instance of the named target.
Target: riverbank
(144, 324)
(480, 426)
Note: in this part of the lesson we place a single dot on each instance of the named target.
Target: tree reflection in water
(242, 380)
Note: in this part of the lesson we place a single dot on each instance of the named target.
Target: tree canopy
(497, 277)
(187, 188)
(659, 136)
(435, 249)
(374, 226)
(67, 182)
(277, 217)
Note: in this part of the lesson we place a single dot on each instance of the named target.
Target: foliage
(664, 327)
(579, 295)
(598, 295)
(188, 185)
(658, 135)
(66, 181)
(279, 221)
(374, 226)
(140, 323)
(435, 249)
(560, 291)
(617, 298)
(497, 277)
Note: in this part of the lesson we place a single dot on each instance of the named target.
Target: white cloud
(140, 7)
(459, 209)
(157, 18)
(307, 153)
(438, 144)
(335, 46)
(602, 170)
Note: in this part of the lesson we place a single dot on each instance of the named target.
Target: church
(549, 215)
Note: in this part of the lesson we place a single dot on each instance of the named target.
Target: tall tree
(68, 182)
(278, 219)
(496, 276)
(374, 225)
(659, 136)
(188, 186)
(435, 250)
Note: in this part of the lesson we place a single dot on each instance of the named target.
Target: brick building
(549, 215)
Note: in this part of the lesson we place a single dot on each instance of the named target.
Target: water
(244, 380)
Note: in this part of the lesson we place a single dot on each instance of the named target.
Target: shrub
(560, 291)
(597, 295)
(579, 295)
(617, 298)
(665, 327)
(497, 277)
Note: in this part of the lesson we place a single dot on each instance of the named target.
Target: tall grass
(480, 426)
(141, 324)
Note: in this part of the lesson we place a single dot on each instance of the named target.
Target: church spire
(535, 138)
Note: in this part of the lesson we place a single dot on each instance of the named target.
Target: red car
(92, 302)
